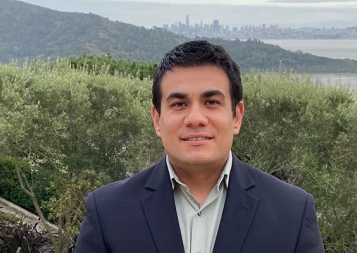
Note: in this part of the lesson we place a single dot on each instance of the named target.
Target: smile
(197, 139)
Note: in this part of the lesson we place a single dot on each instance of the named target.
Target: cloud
(258, 3)
(314, 3)
(310, 1)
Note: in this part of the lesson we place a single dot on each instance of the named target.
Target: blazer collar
(159, 175)
(160, 211)
(239, 210)
(241, 175)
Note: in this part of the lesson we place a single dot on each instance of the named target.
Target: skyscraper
(187, 21)
(216, 25)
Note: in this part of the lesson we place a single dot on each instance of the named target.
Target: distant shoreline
(344, 49)
(334, 78)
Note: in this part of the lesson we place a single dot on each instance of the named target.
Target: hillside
(258, 55)
(30, 31)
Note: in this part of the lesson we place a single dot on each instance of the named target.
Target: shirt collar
(224, 175)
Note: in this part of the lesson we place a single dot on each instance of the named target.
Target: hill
(256, 54)
(31, 31)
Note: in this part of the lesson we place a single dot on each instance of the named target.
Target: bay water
(336, 49)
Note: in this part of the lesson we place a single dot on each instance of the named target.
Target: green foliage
(306, 134)
(122, 67)
(68, 120)
(68, 204)
(82, 129)
(9, 183)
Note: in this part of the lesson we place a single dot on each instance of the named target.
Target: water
(336, 49)
(349, 79)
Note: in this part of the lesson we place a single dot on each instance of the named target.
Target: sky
(149, 13)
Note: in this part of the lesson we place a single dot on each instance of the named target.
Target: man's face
(196, 123)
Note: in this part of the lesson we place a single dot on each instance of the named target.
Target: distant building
(216, 25)
(263, 31)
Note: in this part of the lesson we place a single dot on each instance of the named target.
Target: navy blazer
(261, 215)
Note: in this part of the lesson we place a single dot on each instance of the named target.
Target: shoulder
(278, 200)
(269, 181)
(266, 186)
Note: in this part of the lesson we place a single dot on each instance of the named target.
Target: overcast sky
(148, 13)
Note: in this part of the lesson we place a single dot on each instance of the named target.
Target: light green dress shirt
(199, 224)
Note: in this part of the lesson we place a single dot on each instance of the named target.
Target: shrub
(9, 183)
(306, 134)
(24, 236)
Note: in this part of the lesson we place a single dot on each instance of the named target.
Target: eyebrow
(211, 93)
(206, 94)
(178, 95)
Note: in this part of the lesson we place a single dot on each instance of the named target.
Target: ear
(156, 120)
(237, 121)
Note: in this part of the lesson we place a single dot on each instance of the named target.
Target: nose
(196, 117)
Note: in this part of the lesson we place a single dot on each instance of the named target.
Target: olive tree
(85, 129)
(305, 134)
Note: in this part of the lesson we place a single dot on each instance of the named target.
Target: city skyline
(215, 30)
(148, 13)
(186, 21)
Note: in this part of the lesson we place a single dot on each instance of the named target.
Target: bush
(24, 236)
(66, 122)
(93, 64)
(9, 183)
(306, 134)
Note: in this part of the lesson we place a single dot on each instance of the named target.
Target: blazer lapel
(160, 211)
(238, 212)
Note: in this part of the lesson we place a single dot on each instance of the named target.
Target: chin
(200, 159)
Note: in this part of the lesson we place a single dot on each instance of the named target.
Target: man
(199, 197)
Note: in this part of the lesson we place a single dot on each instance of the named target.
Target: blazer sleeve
(310, 240)
(90, 238)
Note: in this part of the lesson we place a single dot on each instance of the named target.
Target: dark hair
(198, 53)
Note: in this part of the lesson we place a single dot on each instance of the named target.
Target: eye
(212, 102)
(178, 104)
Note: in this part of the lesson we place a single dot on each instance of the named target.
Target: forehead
(194, 79)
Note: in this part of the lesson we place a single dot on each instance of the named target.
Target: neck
(199, 182)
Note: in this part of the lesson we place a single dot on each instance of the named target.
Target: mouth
(197, 139)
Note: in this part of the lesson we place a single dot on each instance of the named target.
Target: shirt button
(199, 213)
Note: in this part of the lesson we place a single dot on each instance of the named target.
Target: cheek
(171, 121)
(166, 126)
